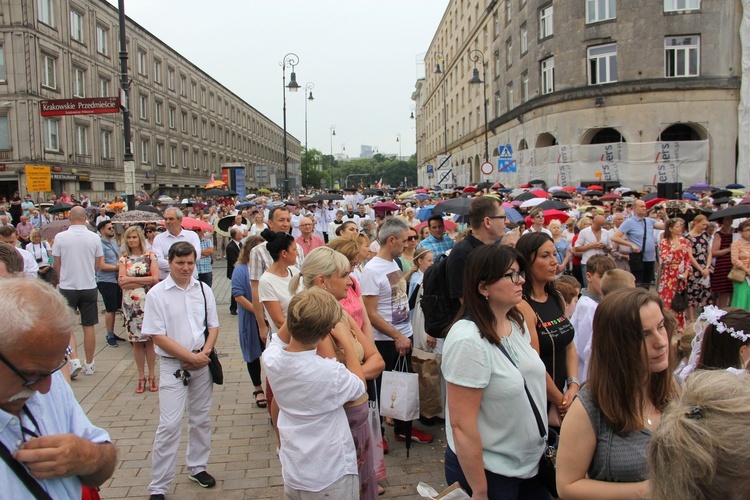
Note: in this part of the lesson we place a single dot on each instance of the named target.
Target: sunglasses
(412, 238)
(27, 382)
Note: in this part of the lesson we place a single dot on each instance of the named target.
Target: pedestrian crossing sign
(505, 151)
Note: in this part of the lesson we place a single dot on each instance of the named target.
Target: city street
(243, 458)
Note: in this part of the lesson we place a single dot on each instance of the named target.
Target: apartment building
(639, 92)
(184, 123)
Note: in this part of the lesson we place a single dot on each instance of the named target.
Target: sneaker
(75, 367)
(89, 369)
(417, 436)
(111, 342)
(205, 479)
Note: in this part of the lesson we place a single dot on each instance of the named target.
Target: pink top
(352, 305)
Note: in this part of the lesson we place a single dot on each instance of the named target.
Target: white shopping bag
(376, 441)
(452, 492)
(399, 393)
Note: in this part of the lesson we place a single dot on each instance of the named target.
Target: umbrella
(250, 196)
(243, 205)
(216, 192)
(595, 187)
(407, 194)
(553, 204)
(737, 192)
(700, 188)
(532, 202)
(678, 207)
(372, 199)
(470, 189)
(689, 196)
(373, 192)
(326, 196)
(735, 212)
(649, 196)
(48, 231)
(554, 189)
(215, 184)
(562, 195)
(524, 197)
(422, 196)
(735, 186)
(512, 214)
(610, 197)
(593, 193)
(449, 225)
(60, 207)
(192, 224)
(744, 201)
(145, 207)
(425, 212)
(446, 191)
(721, 201)
(721, 193)
(585, 208)
(550, 215)
(654, 201)
(458, 206)
(570, 189)
(225, 223)
(136, 217)
(540, 193)
(517, 192)
(413, 201)
(264, 191)
(385, 207)
(116, 205)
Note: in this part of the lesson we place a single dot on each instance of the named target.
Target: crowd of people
(588, 330)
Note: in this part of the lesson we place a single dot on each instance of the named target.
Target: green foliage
(360, 171)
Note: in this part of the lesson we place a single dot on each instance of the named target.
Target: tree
(312, 163)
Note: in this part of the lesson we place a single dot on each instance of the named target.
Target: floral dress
(136, 266)
(674, 263)
(699, 292)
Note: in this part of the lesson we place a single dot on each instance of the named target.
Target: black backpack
(438, 307)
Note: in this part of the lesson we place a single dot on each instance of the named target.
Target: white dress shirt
(164, 241)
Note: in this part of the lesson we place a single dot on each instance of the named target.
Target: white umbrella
(372, 199)
(532, 202)
(250, 196)
(517, 192)
(554, 189)
(621, 190)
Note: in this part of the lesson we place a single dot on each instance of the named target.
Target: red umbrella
(524, 186)
(610, 197)
(655, 201)
(470, 189)
(595, 187)
(552, 214)
(570, 189)
(421, 190)
(745, 201)
(497, 185)
(381, 208)
(449, 225)
(192, 224)
(540, 193)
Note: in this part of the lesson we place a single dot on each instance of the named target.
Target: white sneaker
(75, 367)
(89, 369)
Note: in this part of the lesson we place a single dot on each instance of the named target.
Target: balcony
(6, 154)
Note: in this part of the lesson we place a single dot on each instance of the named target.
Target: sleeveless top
(552, 324)
(618, 458)
(341, 358)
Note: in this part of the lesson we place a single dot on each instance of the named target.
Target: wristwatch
(573, 380)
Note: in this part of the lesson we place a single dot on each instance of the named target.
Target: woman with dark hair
(604, 440)
(551, 332)
(674, 255)
(348, 228)
(273, 286)
(699, 288)
(723, 342)
(720, 250)
(494, 444)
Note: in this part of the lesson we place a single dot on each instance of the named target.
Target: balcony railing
(6, 154)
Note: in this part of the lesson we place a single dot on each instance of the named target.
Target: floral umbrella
(136, 217)
(49, 231)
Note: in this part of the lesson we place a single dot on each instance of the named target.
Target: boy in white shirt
(318, 458)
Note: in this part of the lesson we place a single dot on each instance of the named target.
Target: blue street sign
(430, 169)
(507, 166)
(505, 152)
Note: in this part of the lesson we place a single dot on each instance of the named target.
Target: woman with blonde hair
(699, 450)
(138, 272)
(351, 248)
(328, 269)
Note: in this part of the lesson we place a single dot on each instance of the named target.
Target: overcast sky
(363, 57)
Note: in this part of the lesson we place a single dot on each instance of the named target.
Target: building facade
(184, 123)
(638, 92)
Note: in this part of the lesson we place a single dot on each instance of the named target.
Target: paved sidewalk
(243, 457)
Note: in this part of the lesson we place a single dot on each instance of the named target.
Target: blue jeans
(498, 487)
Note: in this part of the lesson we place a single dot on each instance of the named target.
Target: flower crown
(712, 315)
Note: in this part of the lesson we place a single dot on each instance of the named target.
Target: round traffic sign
(487, 168)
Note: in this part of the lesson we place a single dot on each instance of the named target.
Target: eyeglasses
(515, 276)
(26, 381)
(539, 216)
(149, 231)
(412, 238)
(497, 216)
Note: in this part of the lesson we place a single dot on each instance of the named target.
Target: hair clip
(695, 413)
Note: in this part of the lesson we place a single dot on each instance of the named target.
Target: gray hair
(177, 212)
(392, 226)
(28, 303)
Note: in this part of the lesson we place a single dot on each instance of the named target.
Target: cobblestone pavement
(243, 457)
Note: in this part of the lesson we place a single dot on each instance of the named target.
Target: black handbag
(680, 301)
(214, 365)
(547, 475)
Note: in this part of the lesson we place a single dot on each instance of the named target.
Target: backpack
(438, 307)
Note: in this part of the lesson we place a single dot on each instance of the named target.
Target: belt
(172, 357)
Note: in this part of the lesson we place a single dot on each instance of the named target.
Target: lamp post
(475, 55)
(412, 108)
(439, 57)
(290, 61)
(333, 132)
(398, 140)
(308, 97)
(128, 161)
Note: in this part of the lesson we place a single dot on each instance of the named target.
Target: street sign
(444, 162)
(89, 106)
(487, 168)
(38, 178)
(505, 152)
(430, 169)
(507, 166)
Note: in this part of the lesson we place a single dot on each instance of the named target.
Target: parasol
(531, 203)
(561, 195)
(460, 206)
(735, 212)
(60, 207)
(524, 197)
(216, 192)
(195, 224)
(137, 217)
(553, 204)
(116, 205)
(226, 223)
(49, 231)
(449, 225)
(382, 208)
(326, 196)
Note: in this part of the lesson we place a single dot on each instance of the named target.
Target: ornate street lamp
(333, 132)
(308, 97)
(475, 55)
(439, 57)
(290, 61)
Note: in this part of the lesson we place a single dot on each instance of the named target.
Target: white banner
(632, 164)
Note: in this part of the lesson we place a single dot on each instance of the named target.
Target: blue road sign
(506, 166)
(430, 169)
(505, 152)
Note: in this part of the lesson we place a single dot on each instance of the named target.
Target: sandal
(141, 386)
(381, 490)
(262, 403)
(152, 384)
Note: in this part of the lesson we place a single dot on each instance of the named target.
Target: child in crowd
(570, 296)
(583, 317)
(570, 280)
(317, 449)
(614, 279)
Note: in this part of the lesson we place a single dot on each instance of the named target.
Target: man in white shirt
(178, 312)
(239, 224)
(593, 240)
(78, 254)
(9, 235)
(384, 294)
(173, 234)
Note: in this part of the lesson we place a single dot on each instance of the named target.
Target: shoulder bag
(28, 480)
(737, 275)
(547, 474)
(214, 366)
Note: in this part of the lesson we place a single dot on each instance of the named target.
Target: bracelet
(573, 380)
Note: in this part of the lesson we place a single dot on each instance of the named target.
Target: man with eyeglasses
(307, 240)
(44, 429)
(174, 233)
(106, 279)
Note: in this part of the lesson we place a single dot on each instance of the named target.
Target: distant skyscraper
(365, 151)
